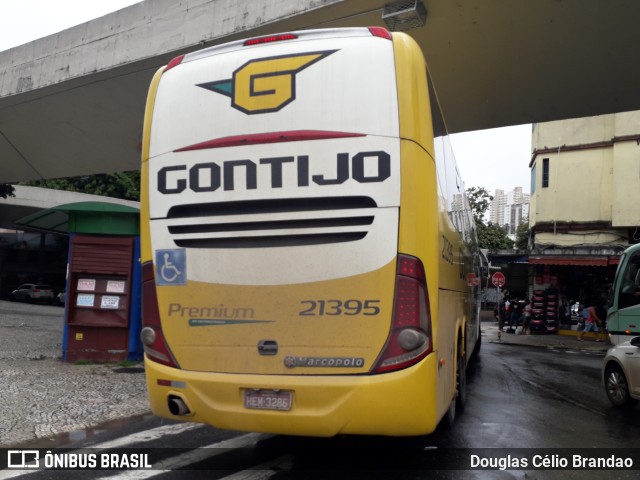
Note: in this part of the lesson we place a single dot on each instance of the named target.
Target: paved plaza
(44, 396)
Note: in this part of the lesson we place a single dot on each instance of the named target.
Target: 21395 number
(318, 308)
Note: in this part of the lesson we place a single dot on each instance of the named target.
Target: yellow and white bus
(309, 257)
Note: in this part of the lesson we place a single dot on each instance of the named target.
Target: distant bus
(623, 315)
(309, 257)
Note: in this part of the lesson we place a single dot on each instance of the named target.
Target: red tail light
(410, 337)
(151, 335)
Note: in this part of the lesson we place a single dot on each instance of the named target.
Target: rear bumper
(397, 404)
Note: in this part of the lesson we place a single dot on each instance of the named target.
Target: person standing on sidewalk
(591, 322)
(516, 314)
(505, 309)
(526, 316)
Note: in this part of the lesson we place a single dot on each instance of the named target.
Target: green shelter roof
(85, 217)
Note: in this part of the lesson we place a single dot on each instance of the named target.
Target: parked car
(621, 373)
(30, 292)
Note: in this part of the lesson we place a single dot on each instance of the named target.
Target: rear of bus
(289, 206)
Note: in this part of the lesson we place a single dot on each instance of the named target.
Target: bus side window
(629, 293)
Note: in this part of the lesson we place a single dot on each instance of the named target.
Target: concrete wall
(594, 177)
(577, 131)
(579, 190)
(160, 26)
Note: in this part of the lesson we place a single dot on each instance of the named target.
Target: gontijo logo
(267, 84)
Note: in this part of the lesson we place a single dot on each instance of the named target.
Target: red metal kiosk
(103, 300)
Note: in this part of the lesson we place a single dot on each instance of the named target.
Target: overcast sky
(494, 159)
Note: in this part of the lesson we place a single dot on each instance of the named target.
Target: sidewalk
(44, 396)
(565, 339)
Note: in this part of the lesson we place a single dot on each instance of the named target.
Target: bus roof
(300, 35)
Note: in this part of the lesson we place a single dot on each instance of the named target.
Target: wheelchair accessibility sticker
(171, 267)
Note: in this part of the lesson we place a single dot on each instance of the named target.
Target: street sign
(498, 279)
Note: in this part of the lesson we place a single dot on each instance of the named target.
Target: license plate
(267, 400)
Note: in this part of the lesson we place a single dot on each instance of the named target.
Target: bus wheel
(450, 417)
(460, 399)
(476, 349)
(461, 380)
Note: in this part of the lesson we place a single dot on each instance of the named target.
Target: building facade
(585, 192)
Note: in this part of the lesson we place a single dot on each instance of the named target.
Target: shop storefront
(575, 279)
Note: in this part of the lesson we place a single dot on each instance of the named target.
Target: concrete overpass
(72, 103)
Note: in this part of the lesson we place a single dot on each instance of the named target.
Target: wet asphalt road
(519, 398)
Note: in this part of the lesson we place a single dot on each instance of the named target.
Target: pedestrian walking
(592, 321)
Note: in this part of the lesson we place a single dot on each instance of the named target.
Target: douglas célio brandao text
(550, 461)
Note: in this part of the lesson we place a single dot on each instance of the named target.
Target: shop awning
(587, 261)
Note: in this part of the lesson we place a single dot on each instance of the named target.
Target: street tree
(479, 201)
(490, 235)
(522, 236)
(493, 236)
(6, 190)
(124, 185)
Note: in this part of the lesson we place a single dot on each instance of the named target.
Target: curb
(559, 341)
(552, 346)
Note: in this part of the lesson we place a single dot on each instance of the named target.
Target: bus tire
(476, 348)
(461, 379)
(450, 417)
(460, 398)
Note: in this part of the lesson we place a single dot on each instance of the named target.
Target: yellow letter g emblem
(265, 85)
